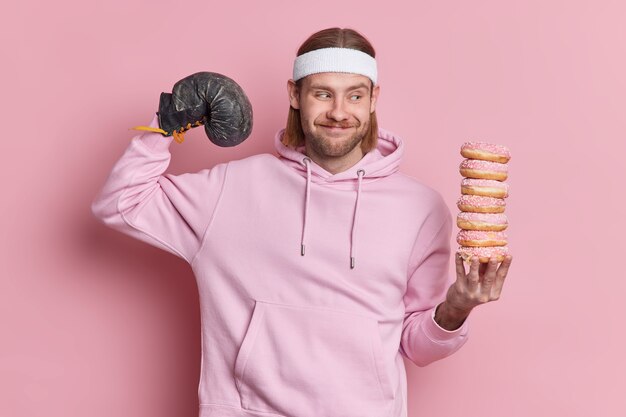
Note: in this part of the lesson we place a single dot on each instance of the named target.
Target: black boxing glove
(209, 99)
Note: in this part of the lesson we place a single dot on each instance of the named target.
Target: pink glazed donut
(486, 152)
(488, 188)
(486, 170)
(481, 238)
(480, 204)
(483, 253)
(482, 221)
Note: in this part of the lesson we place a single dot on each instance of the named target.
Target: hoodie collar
(380, 162)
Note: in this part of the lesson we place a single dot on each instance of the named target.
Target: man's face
(335, 111)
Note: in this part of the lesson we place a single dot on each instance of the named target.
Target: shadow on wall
(159, 289)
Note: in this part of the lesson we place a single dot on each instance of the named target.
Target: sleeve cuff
(156, 142)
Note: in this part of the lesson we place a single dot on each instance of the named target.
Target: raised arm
(167, 211)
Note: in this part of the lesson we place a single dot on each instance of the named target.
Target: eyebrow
(353, 87)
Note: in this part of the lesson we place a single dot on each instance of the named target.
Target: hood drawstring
(307, 162)
(360, 174)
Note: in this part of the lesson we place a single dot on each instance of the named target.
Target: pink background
(95, 323)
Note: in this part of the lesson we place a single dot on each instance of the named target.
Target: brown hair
(331, 38)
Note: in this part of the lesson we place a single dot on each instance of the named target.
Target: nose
(337, 111)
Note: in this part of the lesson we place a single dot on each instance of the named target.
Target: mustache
(343, 125)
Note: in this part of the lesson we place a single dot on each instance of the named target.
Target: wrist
(450, 317)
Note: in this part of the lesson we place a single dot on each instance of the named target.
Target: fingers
(504, 267)
(500, 276)
(460, 267)
(489, 277)
(473, 277)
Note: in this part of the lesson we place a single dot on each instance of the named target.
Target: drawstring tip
(352, 262)
(302, 250)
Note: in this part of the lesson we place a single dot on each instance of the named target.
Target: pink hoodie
(312, 286)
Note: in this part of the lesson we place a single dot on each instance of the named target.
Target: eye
(322, 95)
(355, 97)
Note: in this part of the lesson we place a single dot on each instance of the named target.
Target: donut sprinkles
(485, 170)
(486, 152)
(481, 238)
(482, 221)
(483, 253)
(483, 189)
(480, 204)
(487, 188)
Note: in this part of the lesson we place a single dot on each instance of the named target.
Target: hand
(482, 284)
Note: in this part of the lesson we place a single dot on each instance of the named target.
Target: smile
(336, 128)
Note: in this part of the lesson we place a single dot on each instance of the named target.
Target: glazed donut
(482, 221)
(481, 238)
(486, 152)
(480, 204)
(488, 188)
(483, 253)
(486, 170)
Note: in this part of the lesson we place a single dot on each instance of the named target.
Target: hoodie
(313, 286)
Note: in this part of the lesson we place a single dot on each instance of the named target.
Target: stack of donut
(482, 220)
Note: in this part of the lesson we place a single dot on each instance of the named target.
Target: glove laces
(179, 134)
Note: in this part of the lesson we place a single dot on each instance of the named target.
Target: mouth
(336, 128)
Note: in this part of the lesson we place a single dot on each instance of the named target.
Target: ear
(294, 96)
(375, 93)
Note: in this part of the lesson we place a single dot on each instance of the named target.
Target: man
(319, 269)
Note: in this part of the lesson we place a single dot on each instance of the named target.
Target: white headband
(335, 60)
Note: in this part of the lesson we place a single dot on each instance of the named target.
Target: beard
(334, 146)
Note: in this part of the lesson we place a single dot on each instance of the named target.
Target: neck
(335, 164)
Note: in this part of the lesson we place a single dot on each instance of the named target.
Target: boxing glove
(209, 99)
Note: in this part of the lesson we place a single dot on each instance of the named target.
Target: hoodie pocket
(311, 362)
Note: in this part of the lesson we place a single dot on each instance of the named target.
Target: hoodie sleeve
(167, 211)
(423, 340)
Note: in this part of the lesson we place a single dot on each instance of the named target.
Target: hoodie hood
(382, 161)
